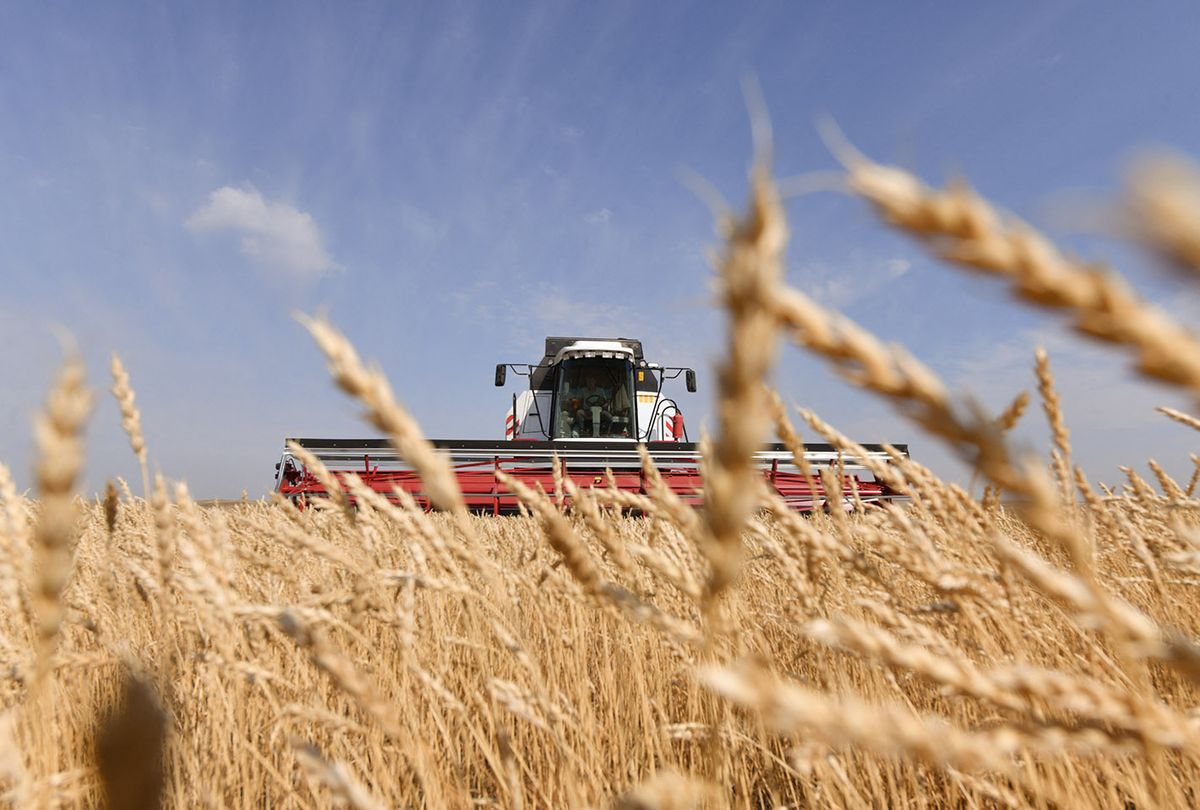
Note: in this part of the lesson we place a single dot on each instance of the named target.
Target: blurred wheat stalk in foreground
(951, 652)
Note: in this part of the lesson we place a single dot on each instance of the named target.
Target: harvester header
(589, 402)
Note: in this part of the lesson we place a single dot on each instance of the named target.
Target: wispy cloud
(421, 225)
(995, 370)
(274, 234)
(520, 313)
(841, 287)
(559, 311)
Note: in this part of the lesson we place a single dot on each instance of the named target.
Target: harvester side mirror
(690, 377)
(501, 373)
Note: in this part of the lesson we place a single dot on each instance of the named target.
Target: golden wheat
(131, 417)
(621, 649)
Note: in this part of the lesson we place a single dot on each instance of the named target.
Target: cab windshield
(594, 401)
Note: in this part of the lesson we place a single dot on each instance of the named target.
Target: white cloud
(601, 217)
(273, 234)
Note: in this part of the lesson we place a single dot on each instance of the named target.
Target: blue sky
(454, 181)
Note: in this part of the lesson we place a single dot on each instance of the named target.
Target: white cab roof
(594, 348)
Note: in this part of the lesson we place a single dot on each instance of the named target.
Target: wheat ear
(865, 361)
(57, 433)
(1005, 422)
(1015, 688)
(342, 671)
(748, 272)
(1052, 405)
(1010, 416)
(791, 439)
(57, 430)
(346, 789)
(1195, 479)
(131, 417)
(1180, 417)
(963, 228)
(1162, 201)
(892, 730)
(561, 536)
(884, 472)
(370, 387)
(334, 488)
(14, 545)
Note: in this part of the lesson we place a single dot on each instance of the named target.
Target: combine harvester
(590, 402)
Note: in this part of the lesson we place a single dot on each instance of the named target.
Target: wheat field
(1031, 643)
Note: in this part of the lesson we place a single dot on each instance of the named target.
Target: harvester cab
(594, 388)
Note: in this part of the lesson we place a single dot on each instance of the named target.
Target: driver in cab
(585, 401)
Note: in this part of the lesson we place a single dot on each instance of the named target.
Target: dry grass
(947, 653)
